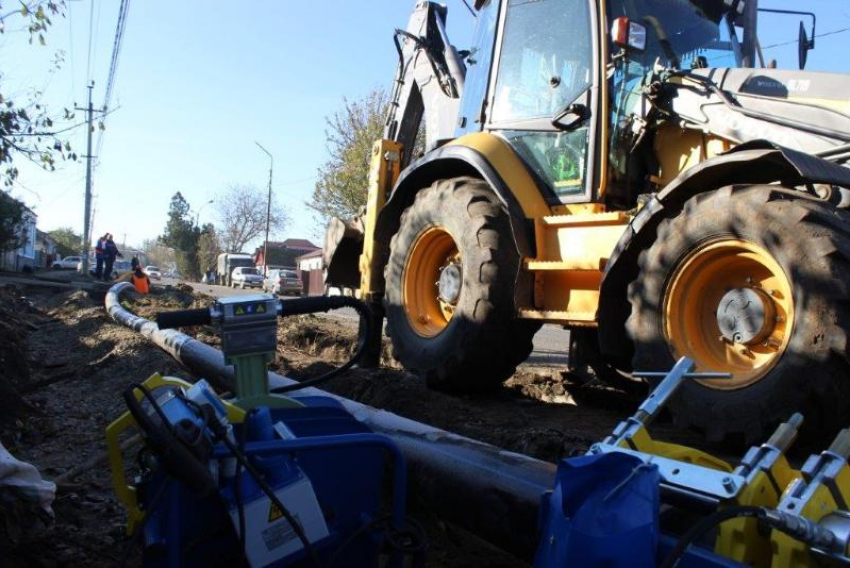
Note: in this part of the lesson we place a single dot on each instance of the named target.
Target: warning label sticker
(274, 512)
(278, 534)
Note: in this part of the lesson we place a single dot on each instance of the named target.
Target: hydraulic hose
(462, 480)
(323, 304)
(299, 306)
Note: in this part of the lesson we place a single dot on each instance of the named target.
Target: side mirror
(628, 34)
(803, 46)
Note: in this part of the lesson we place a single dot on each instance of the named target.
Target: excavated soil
(64, 365)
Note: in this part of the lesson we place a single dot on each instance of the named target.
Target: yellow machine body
(573, 241)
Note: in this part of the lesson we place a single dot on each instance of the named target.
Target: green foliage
(26, 128)
(343, 180)
(182, 236)
(67, 241)
(208, 248)
(11, 223)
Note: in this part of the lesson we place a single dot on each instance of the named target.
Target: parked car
(283, 282)
(246, 277)
(69, 262)
(153, 272)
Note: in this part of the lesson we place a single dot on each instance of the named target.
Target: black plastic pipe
(491, 492)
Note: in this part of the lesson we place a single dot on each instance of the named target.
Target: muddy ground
(64, 365)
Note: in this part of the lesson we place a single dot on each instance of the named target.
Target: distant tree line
(192, 249)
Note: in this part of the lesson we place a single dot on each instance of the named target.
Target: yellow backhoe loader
(631, 170)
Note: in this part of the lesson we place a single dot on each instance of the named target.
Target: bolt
(595, 449)
(773, 292)
(780, 319)
(729, 484)
(749, 279)
(744, 351)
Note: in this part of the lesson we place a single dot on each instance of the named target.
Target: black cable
(335, 302)
(468, 7)
(705, 525)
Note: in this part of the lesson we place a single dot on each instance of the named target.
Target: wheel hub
(449, 284)
(745, 315)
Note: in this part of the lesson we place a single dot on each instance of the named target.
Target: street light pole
(268, 212)
(201, 208)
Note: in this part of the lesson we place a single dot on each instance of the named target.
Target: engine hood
(802, 110)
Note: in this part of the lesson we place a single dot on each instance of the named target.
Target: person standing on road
(140, 280)
(110, 251)
(98, 256)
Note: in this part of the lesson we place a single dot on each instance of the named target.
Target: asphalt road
(550, 344)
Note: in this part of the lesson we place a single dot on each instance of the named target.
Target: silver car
(246, 277)
(283, 282)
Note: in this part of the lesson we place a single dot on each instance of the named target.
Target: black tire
(484, 341)
(810, 240)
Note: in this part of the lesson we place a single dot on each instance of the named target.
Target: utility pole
(88, 156)
(268, 212)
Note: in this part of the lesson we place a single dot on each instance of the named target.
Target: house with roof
(283, 254)
(23, 257)
(310, 267)
(45, 249)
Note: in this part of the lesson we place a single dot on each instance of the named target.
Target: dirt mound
(78, 362)
(16, 321)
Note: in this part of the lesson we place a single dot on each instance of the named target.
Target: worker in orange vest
(140, 280)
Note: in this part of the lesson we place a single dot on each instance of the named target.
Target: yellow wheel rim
(428, 310)
(709, 294)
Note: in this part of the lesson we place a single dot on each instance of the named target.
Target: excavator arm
(425, 96)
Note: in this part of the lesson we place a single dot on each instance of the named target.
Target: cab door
(543, 94)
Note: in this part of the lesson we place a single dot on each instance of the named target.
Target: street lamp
(201, 208)
(268, 212)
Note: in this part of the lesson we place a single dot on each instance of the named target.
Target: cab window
(546, 58)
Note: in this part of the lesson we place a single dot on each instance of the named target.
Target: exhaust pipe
(493, 493)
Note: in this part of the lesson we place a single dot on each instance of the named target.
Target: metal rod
(491, 492)
(268, 212)
(87, 213)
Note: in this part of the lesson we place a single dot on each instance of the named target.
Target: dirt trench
(65, 365)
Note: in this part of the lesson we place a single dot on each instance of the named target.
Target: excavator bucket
(341, 256)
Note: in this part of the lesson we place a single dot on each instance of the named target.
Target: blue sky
(198, 82)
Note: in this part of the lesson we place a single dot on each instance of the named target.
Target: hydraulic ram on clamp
(691, 474)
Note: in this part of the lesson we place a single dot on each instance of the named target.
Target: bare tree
(159, 254)
(241, 212)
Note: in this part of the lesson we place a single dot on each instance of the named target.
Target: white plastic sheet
(21, 481)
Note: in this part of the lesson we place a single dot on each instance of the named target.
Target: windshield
(680, 33)
(288, 274)
(153, 268)
(250, 271)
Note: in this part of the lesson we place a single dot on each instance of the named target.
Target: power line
(123, 11)
(842, 30)
(91, 35)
